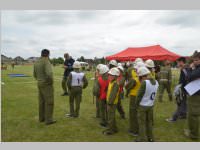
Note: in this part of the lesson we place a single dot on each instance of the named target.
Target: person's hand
(192, 65)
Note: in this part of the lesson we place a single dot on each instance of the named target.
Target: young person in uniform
(121, 81)
(150, 65)
(145, 102)
(101, 88)
(132, 88)
(95, 89)
(112, 100)
(165, 81)
(76, 83)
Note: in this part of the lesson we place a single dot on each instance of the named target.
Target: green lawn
(20, 114)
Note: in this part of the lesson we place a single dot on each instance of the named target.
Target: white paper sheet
(193, 87)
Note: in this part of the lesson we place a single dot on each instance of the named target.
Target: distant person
(145, 103)
(68, 67)
(44, 75)
(181, 111)
(13, 65)
(76, 83)
(194, 101)
(165, 80)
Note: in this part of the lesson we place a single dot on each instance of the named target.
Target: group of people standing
(137, 80)
(141, 88)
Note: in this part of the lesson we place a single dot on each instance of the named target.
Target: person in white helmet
(112, 100)
(150, 65)
(101, 90)
(139, 65)
(76, 82)
(132, 88)
(112, 64)
(95, 86)
(121, 82)
(139, 60)
(145, 103)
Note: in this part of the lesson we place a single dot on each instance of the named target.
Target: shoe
(150, 140)
(123, 117)
(132, 133)
(108, 132)
(65, 94)
(188, 135)
(170, 120)
(103, 125)
(51, 122)
(97, 116)
(136, 140)
(69, 116)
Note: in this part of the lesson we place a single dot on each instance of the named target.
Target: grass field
(20, 114)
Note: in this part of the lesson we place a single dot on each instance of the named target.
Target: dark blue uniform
(181, 111)
(69, 63)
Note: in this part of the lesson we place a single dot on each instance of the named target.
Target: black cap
(45, 53)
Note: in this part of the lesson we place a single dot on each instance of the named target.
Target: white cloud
(97, 33)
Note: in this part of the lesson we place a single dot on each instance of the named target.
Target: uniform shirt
(84, 81)
(96, 87)
(113, 92)
(42, 71)
(103, 83)
(150, 94)
(142, 90)
(133, 84)
(69, 63)
(77, 78)
(165, 73)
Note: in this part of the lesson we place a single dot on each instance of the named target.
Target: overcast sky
(97, 33)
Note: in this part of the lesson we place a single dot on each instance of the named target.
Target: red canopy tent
(155, 52)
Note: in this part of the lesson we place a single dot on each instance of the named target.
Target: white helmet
(138, 60)
(77, 65)
(113, 62)
(119, 64)
(143, 71)
(149, 63)
(99, 66)
(114, 71)
(121, 68)
(103, 69)
(128, 64)
(138, 65)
